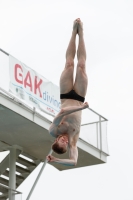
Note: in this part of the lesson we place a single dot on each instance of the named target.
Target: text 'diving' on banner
(33, 88)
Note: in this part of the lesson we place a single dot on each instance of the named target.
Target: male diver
(66, 125)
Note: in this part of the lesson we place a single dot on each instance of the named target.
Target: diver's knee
(69, 64)
(81, 65)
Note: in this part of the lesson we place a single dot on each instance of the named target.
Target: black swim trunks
(72, 95)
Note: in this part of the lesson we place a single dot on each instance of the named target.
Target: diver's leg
(66, 79)
(81, 81)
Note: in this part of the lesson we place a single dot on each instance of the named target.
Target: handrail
(98, 114)
(4, 52)
(93, 122)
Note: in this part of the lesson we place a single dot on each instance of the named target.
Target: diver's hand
(51, 158)
(86, 105)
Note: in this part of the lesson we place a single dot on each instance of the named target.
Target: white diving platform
(23, 126)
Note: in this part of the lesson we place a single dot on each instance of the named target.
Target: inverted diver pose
(66, 125)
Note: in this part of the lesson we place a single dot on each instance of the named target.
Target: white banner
(33, 88)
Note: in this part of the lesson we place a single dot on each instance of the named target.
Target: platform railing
(96, 135)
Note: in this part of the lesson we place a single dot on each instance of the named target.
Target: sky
(37, 33)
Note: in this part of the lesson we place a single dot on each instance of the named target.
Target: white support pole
(32, 189)
(12, 175)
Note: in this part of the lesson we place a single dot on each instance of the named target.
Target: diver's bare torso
(70, 124)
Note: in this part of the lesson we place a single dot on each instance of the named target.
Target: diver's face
(62, 140)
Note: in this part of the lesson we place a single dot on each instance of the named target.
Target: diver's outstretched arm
(72, 161)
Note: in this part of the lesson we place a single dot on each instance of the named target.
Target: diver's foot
(75, 27)
(80, 27)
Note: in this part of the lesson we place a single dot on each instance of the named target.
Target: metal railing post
(97, 134)
(45, 162)
(100, 131)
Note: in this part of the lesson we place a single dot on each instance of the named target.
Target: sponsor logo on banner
(33, 88)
